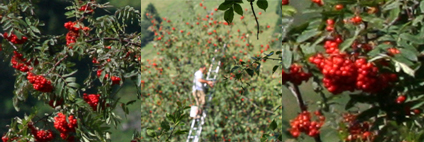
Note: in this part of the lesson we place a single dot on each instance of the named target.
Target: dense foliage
(45, 69)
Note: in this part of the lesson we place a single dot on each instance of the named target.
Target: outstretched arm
(210, 83)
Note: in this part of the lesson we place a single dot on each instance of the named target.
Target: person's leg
(202, 100)
(199, 105)
(196, 98)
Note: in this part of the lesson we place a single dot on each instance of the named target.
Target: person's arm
(202, 80)
(210, 83)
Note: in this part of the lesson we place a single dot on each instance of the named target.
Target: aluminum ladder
(197, 123)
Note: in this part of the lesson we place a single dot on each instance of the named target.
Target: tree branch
(256, 19)
(117, 39)
(57, 63)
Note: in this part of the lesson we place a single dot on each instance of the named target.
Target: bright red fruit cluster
(64, 127)
(14, 39)
(357, 130)
(115, 80)
(19, 63)
(332, 46)
(40, 83)
(345, 73)
(72, 34)
(303, 123)
(41, 135)
(296, 75)
(92, 100)
(6, 139)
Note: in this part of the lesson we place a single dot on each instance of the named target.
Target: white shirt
(196, 84)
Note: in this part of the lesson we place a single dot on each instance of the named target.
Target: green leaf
(73, 85)
(287, 57)
(273, 125)
(262, 4)
(307, 35)
(250, 72)
(347, 43)
(418, 105)
(411, 38)
(408, 54)
(130, 102)
(69, 74)
(70, 79)
(151, 133)
(422, 6)
(393, 15)
(179, 132)
(274, 69)
(365, 115)
(270, 54)
(229, 15)
(225, 5)
(287, 10)
(165, 125)
(238, 9)
(170, 117)
(405, 68)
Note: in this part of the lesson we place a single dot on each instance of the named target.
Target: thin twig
(258, 106)
(57, 63)
(295, 91)
(111, 38)
(172, 131)
(256, 19)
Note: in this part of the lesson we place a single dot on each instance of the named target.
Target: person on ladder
(198, 89)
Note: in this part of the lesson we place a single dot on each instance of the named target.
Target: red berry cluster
(332, 46)
(64, 127)
(344, 73)
(92, 100)
(356, 20)
(303, 123)
(330, 25)
(6, 139)
(296, 75)
(20, 63)
(40, 83)
(14, 39)
(41, 135)
(72, 34)
(393, 51)
(357, 130)
(86, 9)
(115, 80)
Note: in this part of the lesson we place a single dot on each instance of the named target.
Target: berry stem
(296, 92)
(318, 138)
